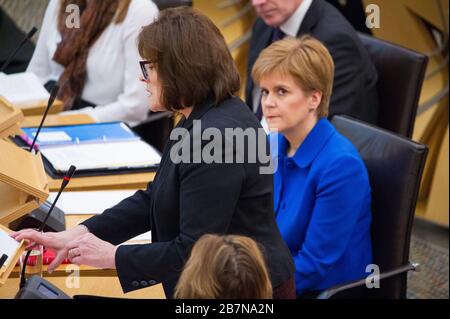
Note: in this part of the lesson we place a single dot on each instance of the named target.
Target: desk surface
(59, 119)
(92, 281)
(121, 181)
(39, 108)
(96, 286)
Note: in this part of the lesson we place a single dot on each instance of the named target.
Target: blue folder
(79, 134)
(82, 133)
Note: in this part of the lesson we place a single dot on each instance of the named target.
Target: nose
(268, 101)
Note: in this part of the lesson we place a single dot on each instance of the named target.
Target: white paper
(89, 203)
(53, 137)
(22, 88)
(145, 236)
(8, 246)
(112, 155)
(94, 203)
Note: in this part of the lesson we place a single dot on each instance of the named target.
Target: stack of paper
(22, 88)
(118, 155)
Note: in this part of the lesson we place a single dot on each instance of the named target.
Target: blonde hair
(224, 267)
(306, 59)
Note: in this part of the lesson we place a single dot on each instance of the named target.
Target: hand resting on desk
(77, 244)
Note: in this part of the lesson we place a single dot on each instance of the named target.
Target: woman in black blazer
(189, 70)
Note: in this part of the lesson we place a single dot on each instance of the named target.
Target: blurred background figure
(95, 63)
(354, 89)
(225, 267)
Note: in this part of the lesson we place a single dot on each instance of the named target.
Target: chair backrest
(395, 165)
(164, 4)
(400, 76)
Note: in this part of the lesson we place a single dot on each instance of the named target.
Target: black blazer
(186, 201)
(354, 89)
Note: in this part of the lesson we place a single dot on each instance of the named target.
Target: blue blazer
(322, 205)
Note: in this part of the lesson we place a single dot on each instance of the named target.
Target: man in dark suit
(354, 89)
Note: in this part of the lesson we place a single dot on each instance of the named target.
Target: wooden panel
(39, 108)
(53, 120)
(110, 182)
(410, 20)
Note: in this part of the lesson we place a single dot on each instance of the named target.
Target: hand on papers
(56, 241)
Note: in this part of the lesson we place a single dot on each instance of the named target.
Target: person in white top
(98, 74)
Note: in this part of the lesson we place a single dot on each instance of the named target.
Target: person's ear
(314, 100)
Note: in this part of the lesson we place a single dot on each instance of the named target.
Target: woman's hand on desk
(92, 251)
(56, 241)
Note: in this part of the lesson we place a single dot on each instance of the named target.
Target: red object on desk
(48, 257)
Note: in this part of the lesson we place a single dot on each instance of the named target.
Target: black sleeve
(208, 196)
(129, 218)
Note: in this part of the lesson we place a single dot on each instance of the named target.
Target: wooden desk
(110, 182)
(96, 286)
(39, 108)
(92, 281)
(59, 119)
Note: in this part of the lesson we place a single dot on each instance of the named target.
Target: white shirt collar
(291, 26)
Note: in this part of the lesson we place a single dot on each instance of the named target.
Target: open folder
(95, 149)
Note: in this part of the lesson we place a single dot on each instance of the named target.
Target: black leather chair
(10, 37)
(157, 127)
(164, 4)
(400, 76)
(395, 165)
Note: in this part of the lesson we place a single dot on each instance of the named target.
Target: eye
(264, 92)
(281, 91)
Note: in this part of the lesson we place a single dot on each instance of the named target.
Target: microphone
(13, 54)
(64, 183)
(51, 100)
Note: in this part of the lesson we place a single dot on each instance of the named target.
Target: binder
(79, 134)
(96, 149)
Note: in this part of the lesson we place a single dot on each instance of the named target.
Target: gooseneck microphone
(51, 100)
(64, 183)
(13, 54)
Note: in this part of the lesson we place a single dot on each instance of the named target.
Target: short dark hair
(191, 57)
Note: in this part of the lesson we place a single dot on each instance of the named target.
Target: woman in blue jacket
(322, 193)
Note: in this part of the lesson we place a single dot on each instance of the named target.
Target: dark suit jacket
(354, 89)
(186, 201)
